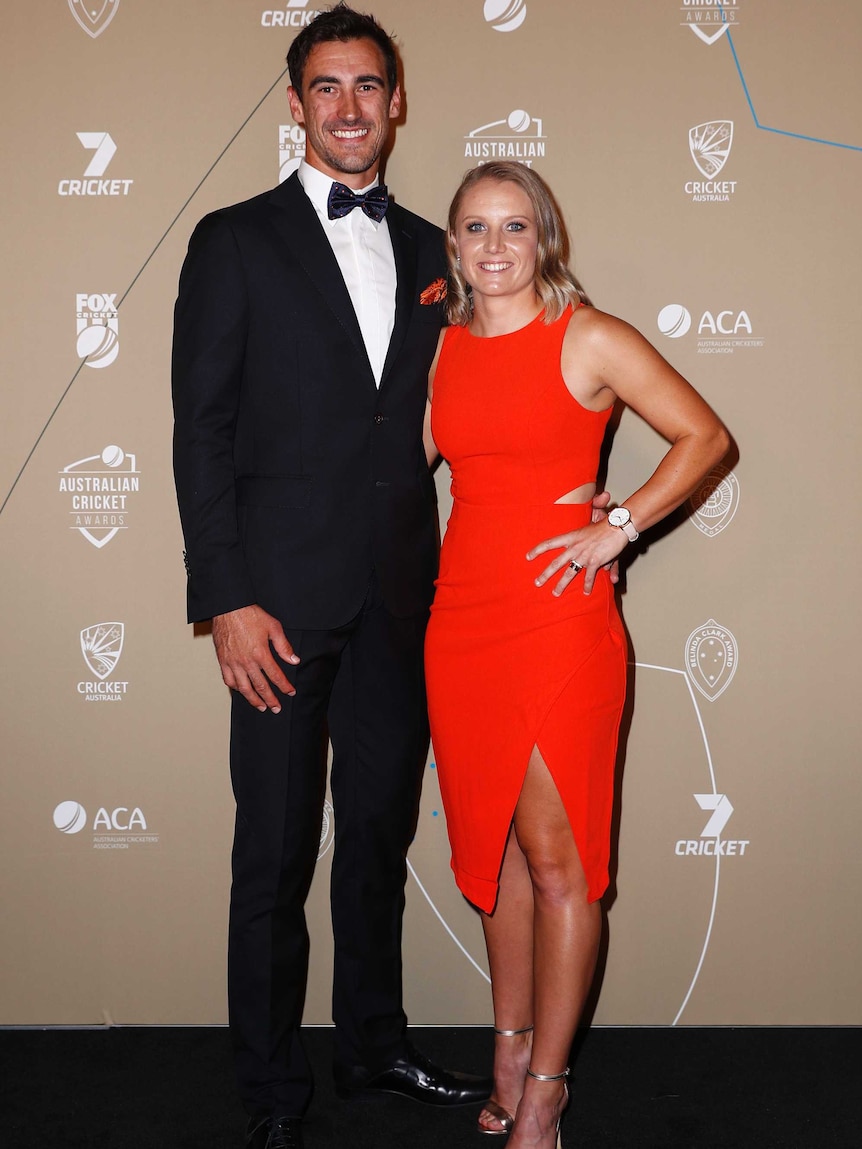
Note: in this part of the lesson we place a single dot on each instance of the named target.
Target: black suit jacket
(296, 477)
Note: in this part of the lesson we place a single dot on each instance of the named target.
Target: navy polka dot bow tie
(342, 201)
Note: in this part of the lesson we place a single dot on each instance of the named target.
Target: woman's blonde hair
(555, 284)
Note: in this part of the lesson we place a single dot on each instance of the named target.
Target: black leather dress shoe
(274, 1133)
(415, 1077)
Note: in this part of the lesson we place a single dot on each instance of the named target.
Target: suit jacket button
(378, 418)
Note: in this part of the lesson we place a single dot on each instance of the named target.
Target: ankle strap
(512, 1032)
(549, 1076)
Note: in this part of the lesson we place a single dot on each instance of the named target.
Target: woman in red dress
(525, 657)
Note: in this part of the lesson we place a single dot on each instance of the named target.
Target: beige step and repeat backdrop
(708, 157)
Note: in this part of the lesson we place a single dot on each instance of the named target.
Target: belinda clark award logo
(94, 16)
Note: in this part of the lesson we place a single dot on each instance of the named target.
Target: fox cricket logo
(100, 487)
(101, 646)
(517, 137)
(120, 828)
(710, 19)
(293, 14)
(104, 149)
(711, 844)
(711, 657)
(721, 332)
(94, 16)
(715, 502)
(98, 328)
(709, 145)
(505, 15)
(291, 149)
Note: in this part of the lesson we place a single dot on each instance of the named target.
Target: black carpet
(142, 1088)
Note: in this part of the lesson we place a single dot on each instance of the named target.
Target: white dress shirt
(364, 253)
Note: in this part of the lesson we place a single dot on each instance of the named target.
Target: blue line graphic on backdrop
(765, 127)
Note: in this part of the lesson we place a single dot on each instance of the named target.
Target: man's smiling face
(345, 109)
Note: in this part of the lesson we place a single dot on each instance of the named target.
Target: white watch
(620, 517)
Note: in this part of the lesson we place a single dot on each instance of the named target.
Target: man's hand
(242, 641)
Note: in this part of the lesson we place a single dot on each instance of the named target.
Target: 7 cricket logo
(710, 843)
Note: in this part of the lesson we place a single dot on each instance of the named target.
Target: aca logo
(518, 136)
(99, 489)
(104, 149)
(505, 15)
(709, 146)
(98, 327)
(715, 502)
(710, 19)
(101, 646)
(94, 16)
(711, 657)
(711, 844)
(327, 829)
(294, 14)
(721, 331)
(291, 149)
(119, 828)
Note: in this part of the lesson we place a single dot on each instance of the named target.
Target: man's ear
(395, 102)
(296, 109)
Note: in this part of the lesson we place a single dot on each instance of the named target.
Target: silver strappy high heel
(555, 1077)
(493, 1107)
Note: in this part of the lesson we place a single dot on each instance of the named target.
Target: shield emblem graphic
(710, 146)
(101, 646)
(711, 656)
(715, 502)
(94, 16)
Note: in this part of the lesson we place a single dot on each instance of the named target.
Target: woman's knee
(557, 876)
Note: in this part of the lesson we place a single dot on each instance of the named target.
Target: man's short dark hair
(339, 23)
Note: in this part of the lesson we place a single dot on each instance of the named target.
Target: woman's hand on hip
(588, 548)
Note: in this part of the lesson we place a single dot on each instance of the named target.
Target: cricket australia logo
(710, 146)
(711, 655)
(94, 16)
(518, 136)
(101, 646)
(715, 502)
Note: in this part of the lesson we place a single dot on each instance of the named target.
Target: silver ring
(576, 567)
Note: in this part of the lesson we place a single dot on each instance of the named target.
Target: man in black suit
(301, 355)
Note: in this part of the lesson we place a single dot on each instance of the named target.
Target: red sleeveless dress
(508, 665)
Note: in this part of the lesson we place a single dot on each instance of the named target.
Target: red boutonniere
(434, 293)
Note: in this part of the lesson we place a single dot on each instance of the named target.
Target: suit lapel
(404, 248)
(298, 225)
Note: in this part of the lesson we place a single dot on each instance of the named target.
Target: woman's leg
(566, 931)
(509, 938)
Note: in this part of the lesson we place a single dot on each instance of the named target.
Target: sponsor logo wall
(712, 205)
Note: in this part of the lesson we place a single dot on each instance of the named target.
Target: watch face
(619, 517)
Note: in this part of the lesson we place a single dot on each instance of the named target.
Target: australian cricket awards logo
(715, 502)
(292, 14)
(94, 16)
(518, 136)
(711, 656)
(104, 149)
(101, 646)
(98, 328)
(710, 19)
(99, 489)
(505, 15)
(291, 149)
(711, 844)
(709, 145)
